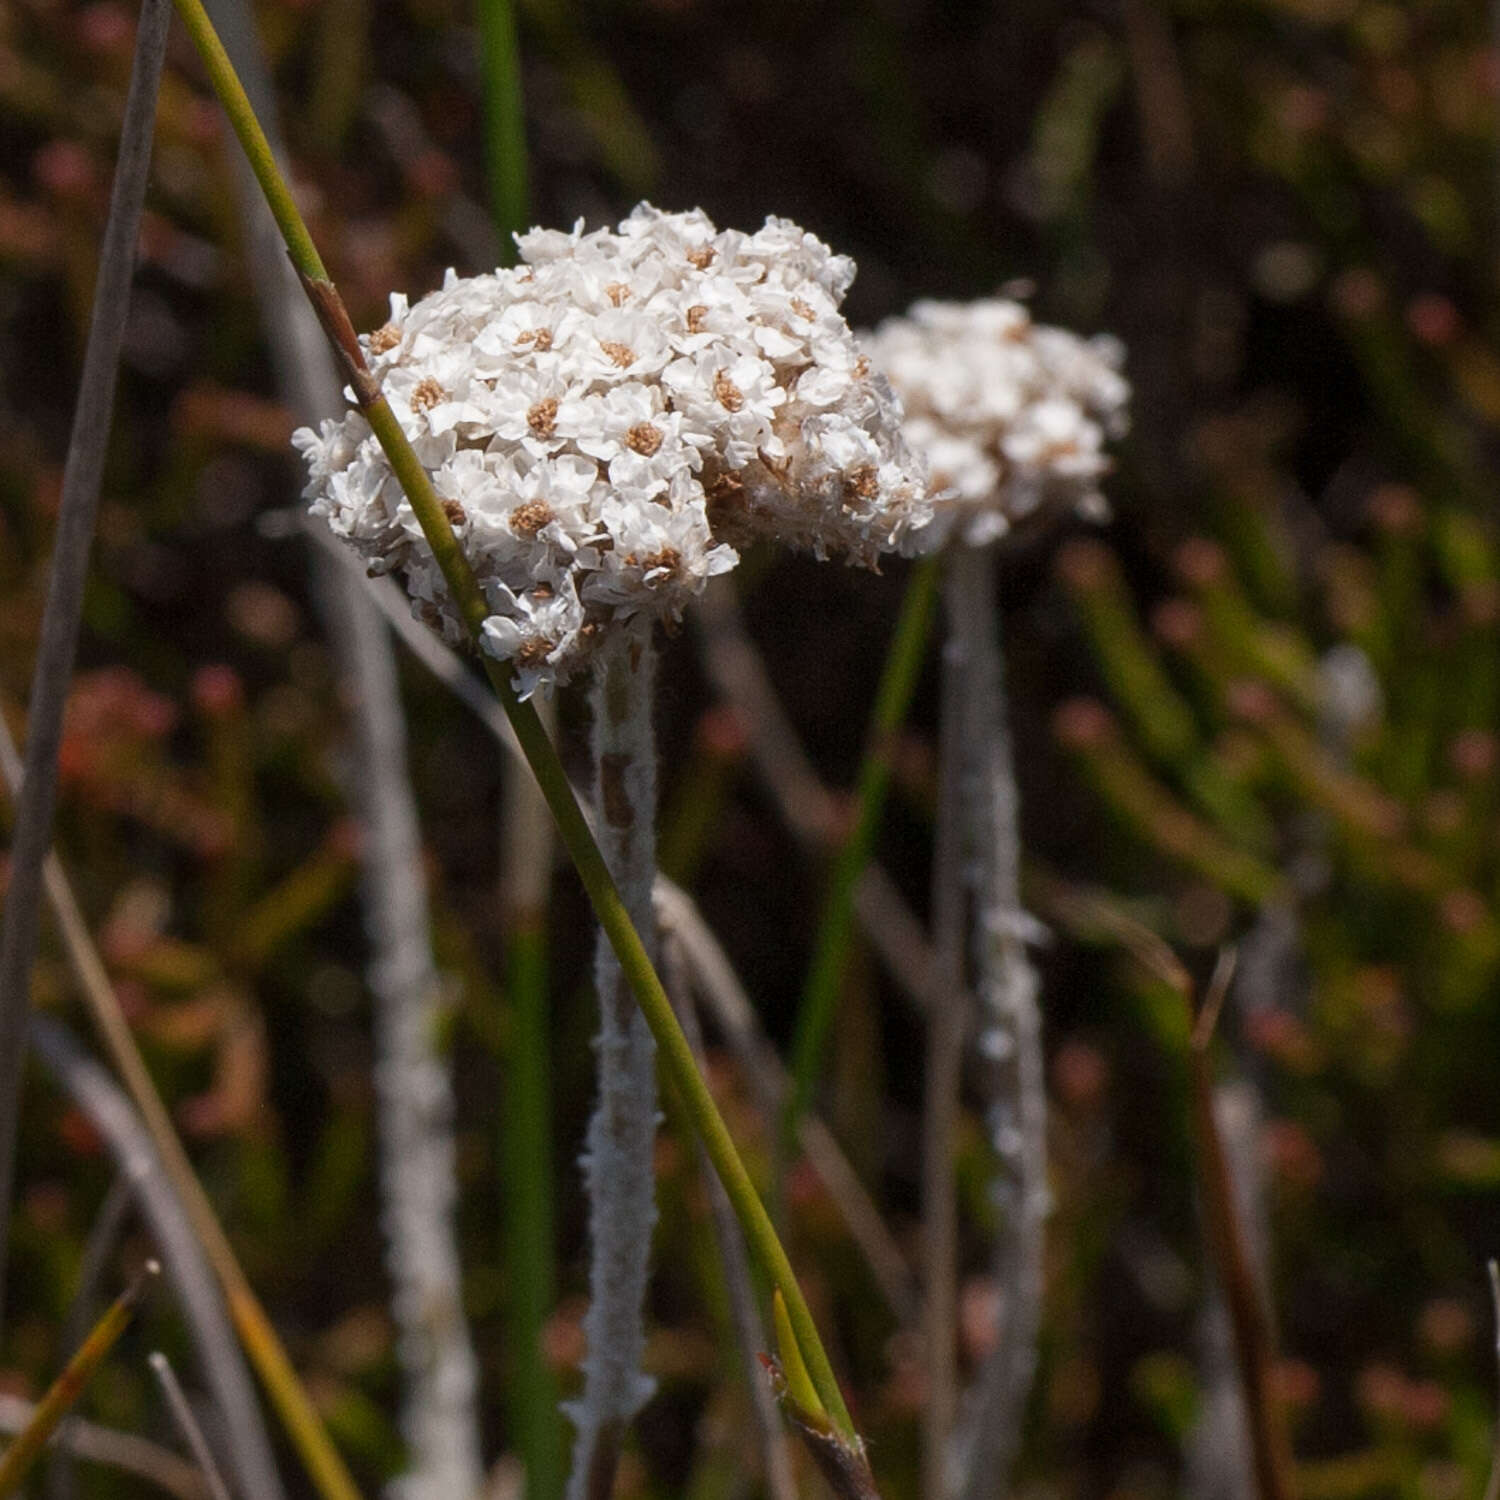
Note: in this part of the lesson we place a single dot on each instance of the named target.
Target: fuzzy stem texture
(418, 1181)
(1010, 1038)
(541, 756)
(439, 1410)
(622, 1133)
(947, 1024)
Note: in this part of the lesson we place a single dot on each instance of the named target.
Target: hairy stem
(947, 1019)
(538, 749)
(618, 1166)
(439, 1415)
(1010, 1039)
(419, 1185)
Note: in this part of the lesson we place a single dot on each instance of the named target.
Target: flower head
(609, 420)
(1012, 415)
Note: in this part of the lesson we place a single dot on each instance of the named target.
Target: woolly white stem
(947, 1023)
(419, 1189)
(439, 1414)
(617, 1161)
(1010, 1039)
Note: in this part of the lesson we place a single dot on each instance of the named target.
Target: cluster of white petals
(1011, 415)
(606, 422)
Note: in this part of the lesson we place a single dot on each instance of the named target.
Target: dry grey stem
(439, 1412)
(82, 474)
(104, 1105)
(1010, 1041)
(618, 1159)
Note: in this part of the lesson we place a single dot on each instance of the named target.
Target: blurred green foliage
(1260, 707)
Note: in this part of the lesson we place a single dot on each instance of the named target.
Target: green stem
(898, 681)
(541, 756)
(529, 1195)
(527, 1108)
(504, 120)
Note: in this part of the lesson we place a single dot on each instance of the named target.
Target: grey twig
(418, 1174)
(187, 1424)
(105, 1106)
(715, 981)
(1010, 1039)
(439, 1415)
(82, 473)
(618, 1160)
(116, 1450)
(947, 1024)
(776, 1462)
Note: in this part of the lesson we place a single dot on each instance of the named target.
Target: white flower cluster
(1011, 415)
(607, 421)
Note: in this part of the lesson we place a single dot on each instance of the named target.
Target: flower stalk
(540, 754)
(618, 1160)
(1010, 1036)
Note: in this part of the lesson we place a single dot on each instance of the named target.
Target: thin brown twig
(1253, 1334)
(775, 1460)
(719, 986)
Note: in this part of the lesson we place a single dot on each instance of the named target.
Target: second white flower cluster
(608, 422)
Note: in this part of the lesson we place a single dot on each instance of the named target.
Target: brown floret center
(668, 558)
(542, 418)
(620, 354)
(427, 394)
(528, 519)
(384, 338)
(644, 439)
(727, 393)
(534, 653)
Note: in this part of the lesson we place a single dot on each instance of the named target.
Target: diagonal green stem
(898, 681)
(541, 756)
